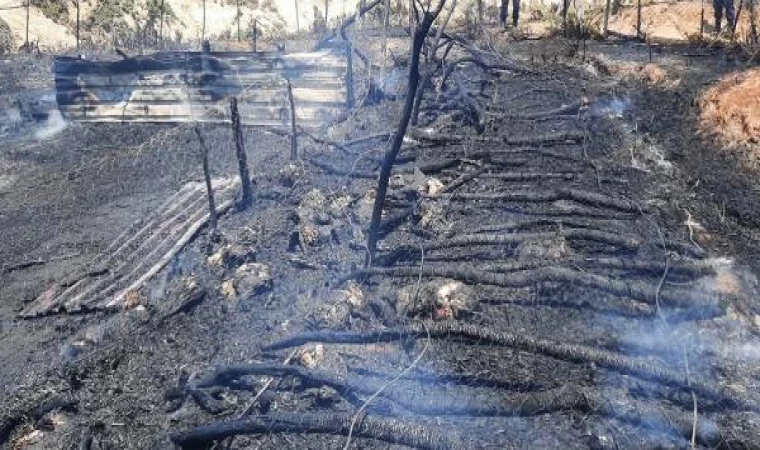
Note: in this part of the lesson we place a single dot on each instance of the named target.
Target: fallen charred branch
(35, 262)
(623, 308)
(472, 109)
(416, 397)
(558, 209)
(350, 20)
(343, 146)
(462, 180)
(429, 376)
(439, 166)
(570, 109)
(491, 154)
(523, 224)
(530, 222)
(203, 399)
(481, 64)
(613, 239)
(561, 351)
(612, 263)
(545, 139)
(425, 168)
(531, 176)
(635, 290)
(533, 196)
(385, 135)
(389, 430)
(9, 422)
(334, 170)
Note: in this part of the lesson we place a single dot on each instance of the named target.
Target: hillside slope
(188, 21)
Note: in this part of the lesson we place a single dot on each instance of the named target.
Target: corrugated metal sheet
(193, 86)
(123, 267)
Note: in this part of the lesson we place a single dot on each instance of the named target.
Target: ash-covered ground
(575, 279)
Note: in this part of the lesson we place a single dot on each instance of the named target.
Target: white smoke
(53, 126)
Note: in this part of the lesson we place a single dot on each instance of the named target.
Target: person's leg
(515, 12)
(504, 12)
(730, 14)
(718, 9)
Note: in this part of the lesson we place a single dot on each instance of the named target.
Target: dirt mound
(731, 109)
(670, 21)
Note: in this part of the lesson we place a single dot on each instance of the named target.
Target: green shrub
(7, 43)
(55, 10)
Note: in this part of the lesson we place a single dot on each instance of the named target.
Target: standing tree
(429, 14)
(77, 5)
(238, 16)
(607, 8)
(384, 44)
(26, 42)
(161, 26)
(203, 26)
(298, 20)
(431, 63)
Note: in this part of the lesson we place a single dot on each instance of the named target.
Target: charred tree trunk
(255, 36)
(293, 125)
(390, 156)
(203, 26)
(392, 431)
(245, 179)
(607, 7)
(161, 25)
(478, 335)
(350, 95)
(26, 43)
(77, 25)
(384, 45)
(427, 77)
(212, 221)
(239, 16)
(298, 20)
(736, 19)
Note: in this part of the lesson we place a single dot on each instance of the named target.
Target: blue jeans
(504, 10)
(728, 6)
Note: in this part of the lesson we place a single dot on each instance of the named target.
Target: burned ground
(577, 263)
